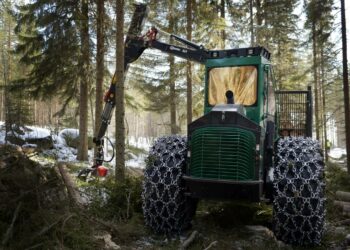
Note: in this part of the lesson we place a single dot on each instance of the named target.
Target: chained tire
(165, 206)
(299, 203)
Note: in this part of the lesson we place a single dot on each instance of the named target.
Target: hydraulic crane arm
(134, 47)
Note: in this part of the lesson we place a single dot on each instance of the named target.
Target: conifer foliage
(54, 42)
(62, 47)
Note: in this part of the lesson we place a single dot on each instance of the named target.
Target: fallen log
(346, 213)
(343, 223)
(213, 244)
(70, 185)
(341, 204)
(346, 208)
(344, 196)
(106, 224)
(189, 240)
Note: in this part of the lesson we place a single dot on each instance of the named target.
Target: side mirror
(266, 67)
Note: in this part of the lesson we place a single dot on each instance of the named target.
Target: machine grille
(222, 153)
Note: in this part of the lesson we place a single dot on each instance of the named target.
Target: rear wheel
(166, 208)
(299, 203)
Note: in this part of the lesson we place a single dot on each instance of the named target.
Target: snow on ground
(138, 162)
(2, 134)
(141, 142)
(62, 152)
(37, 133)
(337, 153)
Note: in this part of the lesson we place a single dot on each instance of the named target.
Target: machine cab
(249, 77)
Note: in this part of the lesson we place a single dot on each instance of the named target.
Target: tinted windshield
(241, 80)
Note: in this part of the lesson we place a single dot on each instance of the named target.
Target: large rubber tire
(299, 203)
(166, 208)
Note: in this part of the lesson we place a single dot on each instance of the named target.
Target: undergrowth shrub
(35, 210)
(116, 200)
(337, 178)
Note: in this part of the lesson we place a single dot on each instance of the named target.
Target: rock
(71, 137)
(74, 142)
(15, 140)
(109, 244)
(29, 148)
(42, 143)
(260, 230)
(339, 230)
(262, 233)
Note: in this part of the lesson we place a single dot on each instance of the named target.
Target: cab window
(241, 80)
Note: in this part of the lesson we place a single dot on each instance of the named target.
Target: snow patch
(28, 145)
(71, 132)
(337, 153)
(36, 133)
(67, 133)
(137, 162)
(62, 152)
(270, 174)
(141, 142)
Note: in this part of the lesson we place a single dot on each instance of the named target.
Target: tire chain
(299, 203)
(165, 207)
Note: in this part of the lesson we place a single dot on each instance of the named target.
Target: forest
(178, 124)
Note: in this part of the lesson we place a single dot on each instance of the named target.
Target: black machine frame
(294, 112)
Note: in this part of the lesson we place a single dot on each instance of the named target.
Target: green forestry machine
(253, 143)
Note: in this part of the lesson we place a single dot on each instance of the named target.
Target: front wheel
(299, 203)
(166, 208)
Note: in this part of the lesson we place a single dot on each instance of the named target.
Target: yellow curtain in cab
(241, 80)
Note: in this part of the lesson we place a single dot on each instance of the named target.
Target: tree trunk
(323, 86)
(7, 79)
(222, 15)
(99, 65)
(84, 83)
(189, 64)
(251, 17)
(315, 66)
(345, 84)
(171, 61)
(259, 20)
(119, 105)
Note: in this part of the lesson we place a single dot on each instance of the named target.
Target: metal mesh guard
(223, 153)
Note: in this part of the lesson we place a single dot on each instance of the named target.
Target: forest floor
(37, 212)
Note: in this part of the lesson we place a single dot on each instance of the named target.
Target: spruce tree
(119, 97)
(84, 80)
(15, 104)
(54, 42)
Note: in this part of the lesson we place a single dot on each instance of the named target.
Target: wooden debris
(344, 203)
(341, 203)
(35, 246)
(344, 196)
(260, 230)
(109, 243)
(343, 223)
(213, 244)
(189, 240)
(9, 231)
(106, 224)
(71, 187)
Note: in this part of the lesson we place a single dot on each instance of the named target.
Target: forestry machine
(253, 143)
